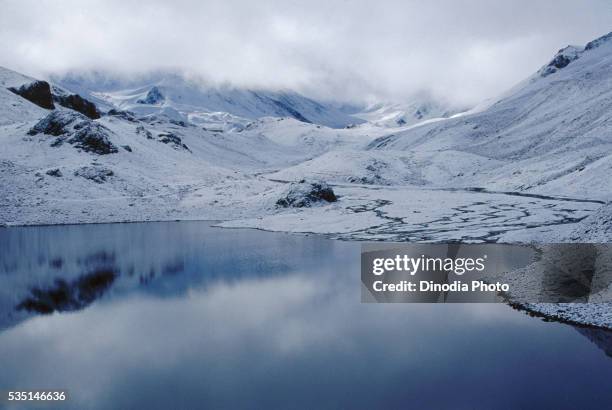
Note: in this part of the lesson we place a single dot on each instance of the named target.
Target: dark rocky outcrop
(172, 139)
(598, 41)
(79, 104)
(76, 129)
(55, 172)
(126, 115)
(180, 123)
(93, 138)
(305, 194)
(95, 173)
(163, 119)
(56, 123)
(37, 92)
(44, 95)
(561, 60)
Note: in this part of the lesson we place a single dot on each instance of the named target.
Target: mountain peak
(153, 97)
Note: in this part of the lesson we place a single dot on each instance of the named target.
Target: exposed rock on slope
(54, 172)
(42, 94)
(76, 129)
(561, 60)
(598, 41)
(125, 115)
(94, 173)
(305, 194)
(37, 92)
(172, 139)
(78, 103)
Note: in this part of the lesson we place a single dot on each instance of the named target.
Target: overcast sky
(464, 51)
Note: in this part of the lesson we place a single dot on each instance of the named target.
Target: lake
(184, 315)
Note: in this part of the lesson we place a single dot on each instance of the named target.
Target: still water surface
(182, 315)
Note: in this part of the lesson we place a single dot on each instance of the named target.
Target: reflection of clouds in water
(267, 341)
(254, 319)
(462, 51)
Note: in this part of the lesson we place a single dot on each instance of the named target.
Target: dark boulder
(305, 194)
(37, 92)
(55, 172)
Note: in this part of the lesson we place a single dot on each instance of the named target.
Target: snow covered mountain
(190, 99)
(551, 134)
(12, 108)
(59, 163)
(165, 147)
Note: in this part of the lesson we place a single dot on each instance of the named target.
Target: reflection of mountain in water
(66, 296)
(66, 268)
(600, 337)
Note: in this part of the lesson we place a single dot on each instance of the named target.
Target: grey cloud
(462, 51)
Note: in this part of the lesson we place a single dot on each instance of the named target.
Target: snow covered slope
(13, 108)
(197, 101)
(59, 166)
(596, 228)
(552, 134)
(403, 114)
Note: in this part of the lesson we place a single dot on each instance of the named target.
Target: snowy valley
(532, 166)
